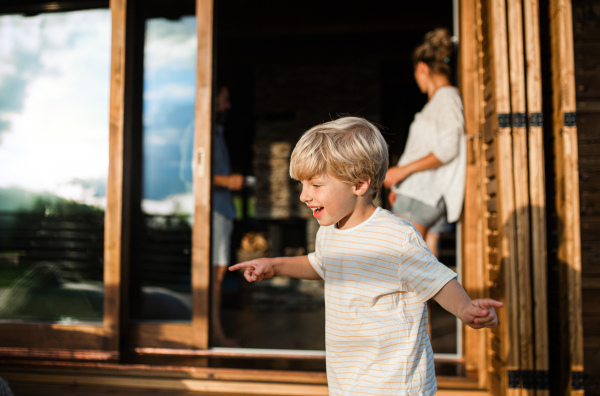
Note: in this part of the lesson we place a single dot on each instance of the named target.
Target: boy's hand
(480, 314)
(256, 270)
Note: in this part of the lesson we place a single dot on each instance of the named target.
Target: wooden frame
(202, 175)
(64, 341)
(567, 188)
(537, 187)
(522, 283)
(496, 155)
(194, 334)
(472, 231)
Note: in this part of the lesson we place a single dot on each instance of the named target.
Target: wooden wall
(586, 35)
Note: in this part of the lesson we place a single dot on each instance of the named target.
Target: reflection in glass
(163, 269)
(54, 84)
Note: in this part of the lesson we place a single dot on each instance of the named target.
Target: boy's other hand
(255, 270)
(480, 314)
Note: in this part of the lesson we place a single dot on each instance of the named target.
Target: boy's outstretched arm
(476, 313)
(259, 269)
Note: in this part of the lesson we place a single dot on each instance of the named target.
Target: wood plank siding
(586, 32)
(567, 192)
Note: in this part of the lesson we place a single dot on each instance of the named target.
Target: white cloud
(61, 130)
(170, 44)
(171, 91)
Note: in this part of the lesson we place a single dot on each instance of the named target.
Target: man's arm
(232, 182)
(263, 268)
(477, 313)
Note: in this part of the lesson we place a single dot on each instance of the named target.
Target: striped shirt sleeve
(419, 271)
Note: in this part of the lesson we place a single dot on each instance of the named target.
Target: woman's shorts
(221, 239)
(419, 212)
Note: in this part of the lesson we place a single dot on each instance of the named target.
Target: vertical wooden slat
(521, 190)
(202, 174)
(487, 174)
(508, 334)
(114, 188)
(537, 188)
(567, 180)
(472, 230)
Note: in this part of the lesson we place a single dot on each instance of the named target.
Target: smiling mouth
(317, 211)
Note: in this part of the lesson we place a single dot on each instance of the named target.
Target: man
(223, 215)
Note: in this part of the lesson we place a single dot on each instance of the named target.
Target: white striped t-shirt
(378, 277)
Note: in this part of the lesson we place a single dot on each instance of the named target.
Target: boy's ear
(362, 186)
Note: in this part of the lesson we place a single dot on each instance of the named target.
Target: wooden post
(506, 210)
(567, 184)
(114, 188)
(472, 230)
(521, 197)
(537, 195)
(504, 351)
(202, 175)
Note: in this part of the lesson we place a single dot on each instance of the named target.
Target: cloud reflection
(54, 84)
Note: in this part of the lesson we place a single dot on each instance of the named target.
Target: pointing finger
(240, 266)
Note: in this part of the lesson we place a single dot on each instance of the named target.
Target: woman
(429, 181)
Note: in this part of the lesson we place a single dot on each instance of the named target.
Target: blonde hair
(436, 51)
(349, 149)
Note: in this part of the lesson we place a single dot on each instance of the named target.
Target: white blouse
(439, 128)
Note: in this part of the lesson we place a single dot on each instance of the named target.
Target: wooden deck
(103, 379)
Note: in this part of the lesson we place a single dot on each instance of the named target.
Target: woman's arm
(396, 174)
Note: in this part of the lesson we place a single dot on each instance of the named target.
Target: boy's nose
(304, 196)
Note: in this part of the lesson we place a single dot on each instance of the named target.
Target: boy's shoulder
(389, 223)
(386, 215)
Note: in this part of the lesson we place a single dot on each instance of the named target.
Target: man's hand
(256, 270)
(480, 314)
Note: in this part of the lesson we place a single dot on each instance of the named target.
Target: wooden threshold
(235, 352)
(127, 378)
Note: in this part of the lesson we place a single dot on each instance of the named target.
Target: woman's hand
(395, 175)
(392, 198)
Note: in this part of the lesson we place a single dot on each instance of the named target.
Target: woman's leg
(432, 240)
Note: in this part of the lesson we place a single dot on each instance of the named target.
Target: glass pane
(54, 84)
(162, 287)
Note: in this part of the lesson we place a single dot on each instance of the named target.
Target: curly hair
(436, 51)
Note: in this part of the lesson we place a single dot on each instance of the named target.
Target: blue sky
(169, 98)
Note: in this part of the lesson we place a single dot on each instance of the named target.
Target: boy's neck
(363, 210)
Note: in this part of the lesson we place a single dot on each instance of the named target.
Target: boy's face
(332, 201)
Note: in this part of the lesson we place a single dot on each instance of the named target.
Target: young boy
(378, 272)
